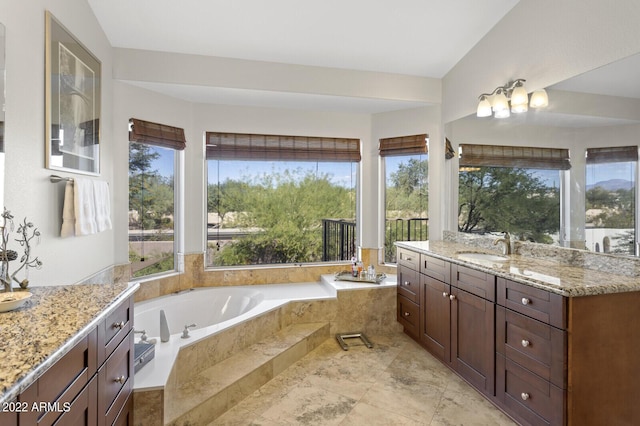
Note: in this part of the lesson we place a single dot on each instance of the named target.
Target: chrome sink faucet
(506, 249)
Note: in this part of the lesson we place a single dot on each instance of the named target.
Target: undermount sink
(487, 257)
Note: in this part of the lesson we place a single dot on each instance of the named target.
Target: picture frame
(72, 102)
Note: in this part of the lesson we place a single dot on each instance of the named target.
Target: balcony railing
(339, 237)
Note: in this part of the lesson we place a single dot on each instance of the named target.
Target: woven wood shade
(245, 146)
(403, 145)
(612, 154)
(514, 156)
(157, 134)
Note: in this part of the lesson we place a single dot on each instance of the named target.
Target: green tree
(497, 199)
(229, 196)
(408, 194)
(287, 210)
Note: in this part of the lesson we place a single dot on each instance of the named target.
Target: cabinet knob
(407, 314)
(524, 396)
(119, 325)
(525, 301)
(452, 297)
(407, 283)
(120, 379)
(445, 294)
(525, 343)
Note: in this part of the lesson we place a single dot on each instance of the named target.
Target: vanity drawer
(435, 268)
(475, 282)
(61, 383)
(409, 284)
(114, 328)
(409, 259)
(527, 396)
(538, 347)
(115, 381)
(539, 304)
(408, 316)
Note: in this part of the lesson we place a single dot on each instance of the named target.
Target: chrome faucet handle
(185, 332)
(143, 337)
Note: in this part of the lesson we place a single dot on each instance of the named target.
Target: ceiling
(401, 37)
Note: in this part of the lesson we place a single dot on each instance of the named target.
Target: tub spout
(164, 327)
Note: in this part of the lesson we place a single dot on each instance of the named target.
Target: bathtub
(213, 310)
(203, 307)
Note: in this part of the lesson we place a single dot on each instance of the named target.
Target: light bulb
(500, 102)
(484, 107)
(519, 99)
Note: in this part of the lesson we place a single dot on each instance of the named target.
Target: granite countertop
(52, 321)
(559, 276)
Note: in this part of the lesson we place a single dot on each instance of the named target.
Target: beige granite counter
(563, 276)
(35, 336)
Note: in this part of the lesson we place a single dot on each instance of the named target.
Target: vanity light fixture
(510, 98)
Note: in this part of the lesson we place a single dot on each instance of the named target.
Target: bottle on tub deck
(360, 267)
(354, 267)
(371, 273)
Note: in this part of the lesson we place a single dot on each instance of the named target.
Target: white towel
(68, 215)
(103, 205)
(85, 207)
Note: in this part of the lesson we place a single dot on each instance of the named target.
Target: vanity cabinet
(456, 316)
(531, 353)
(92, 383)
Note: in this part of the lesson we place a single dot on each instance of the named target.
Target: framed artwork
(72, 102)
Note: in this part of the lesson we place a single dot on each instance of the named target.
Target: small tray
(13, 300)
(346, 276)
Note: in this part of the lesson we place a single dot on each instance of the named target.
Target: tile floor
(395, 383)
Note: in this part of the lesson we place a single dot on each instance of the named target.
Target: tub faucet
(164, 327)
(506, 249)
(185, 332)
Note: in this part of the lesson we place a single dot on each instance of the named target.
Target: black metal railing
(415, 229)
(339, 237)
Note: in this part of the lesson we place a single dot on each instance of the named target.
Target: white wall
(544, 42)
(28, 191)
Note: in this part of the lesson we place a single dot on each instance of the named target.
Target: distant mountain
(612, 184)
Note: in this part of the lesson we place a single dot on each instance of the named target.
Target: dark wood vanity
(89, 383)
(542, 357)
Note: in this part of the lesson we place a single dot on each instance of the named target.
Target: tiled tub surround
(35, 336)
(344, 306)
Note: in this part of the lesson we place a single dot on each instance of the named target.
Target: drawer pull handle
(407, 314)
(525, 301)
(452, 297)
(119, 325)
(524, 396)
(445, 294)
(525, 343)
(407, 283)
(408, 259)
(120, 379)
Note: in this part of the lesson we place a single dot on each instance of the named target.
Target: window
(513, 189)
(406, 165)
(280, 199)
(610, 199)
(153, 166)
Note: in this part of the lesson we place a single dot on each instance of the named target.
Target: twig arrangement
(26, 233)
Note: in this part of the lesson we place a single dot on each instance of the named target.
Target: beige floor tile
(310, 406)
(395, 383)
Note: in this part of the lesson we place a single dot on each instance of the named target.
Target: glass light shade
(500, 102)
(519, 100)
(484, 107)
(503, 113)
(539, 99)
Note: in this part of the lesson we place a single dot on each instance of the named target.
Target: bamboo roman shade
(514, 156)
(157, 134)
(245, 146)
(403, 145)
(612, 154)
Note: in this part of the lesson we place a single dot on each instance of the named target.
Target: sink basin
(486, 257)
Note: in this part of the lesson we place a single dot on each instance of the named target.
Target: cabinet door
(435, 317)
(472, 339)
